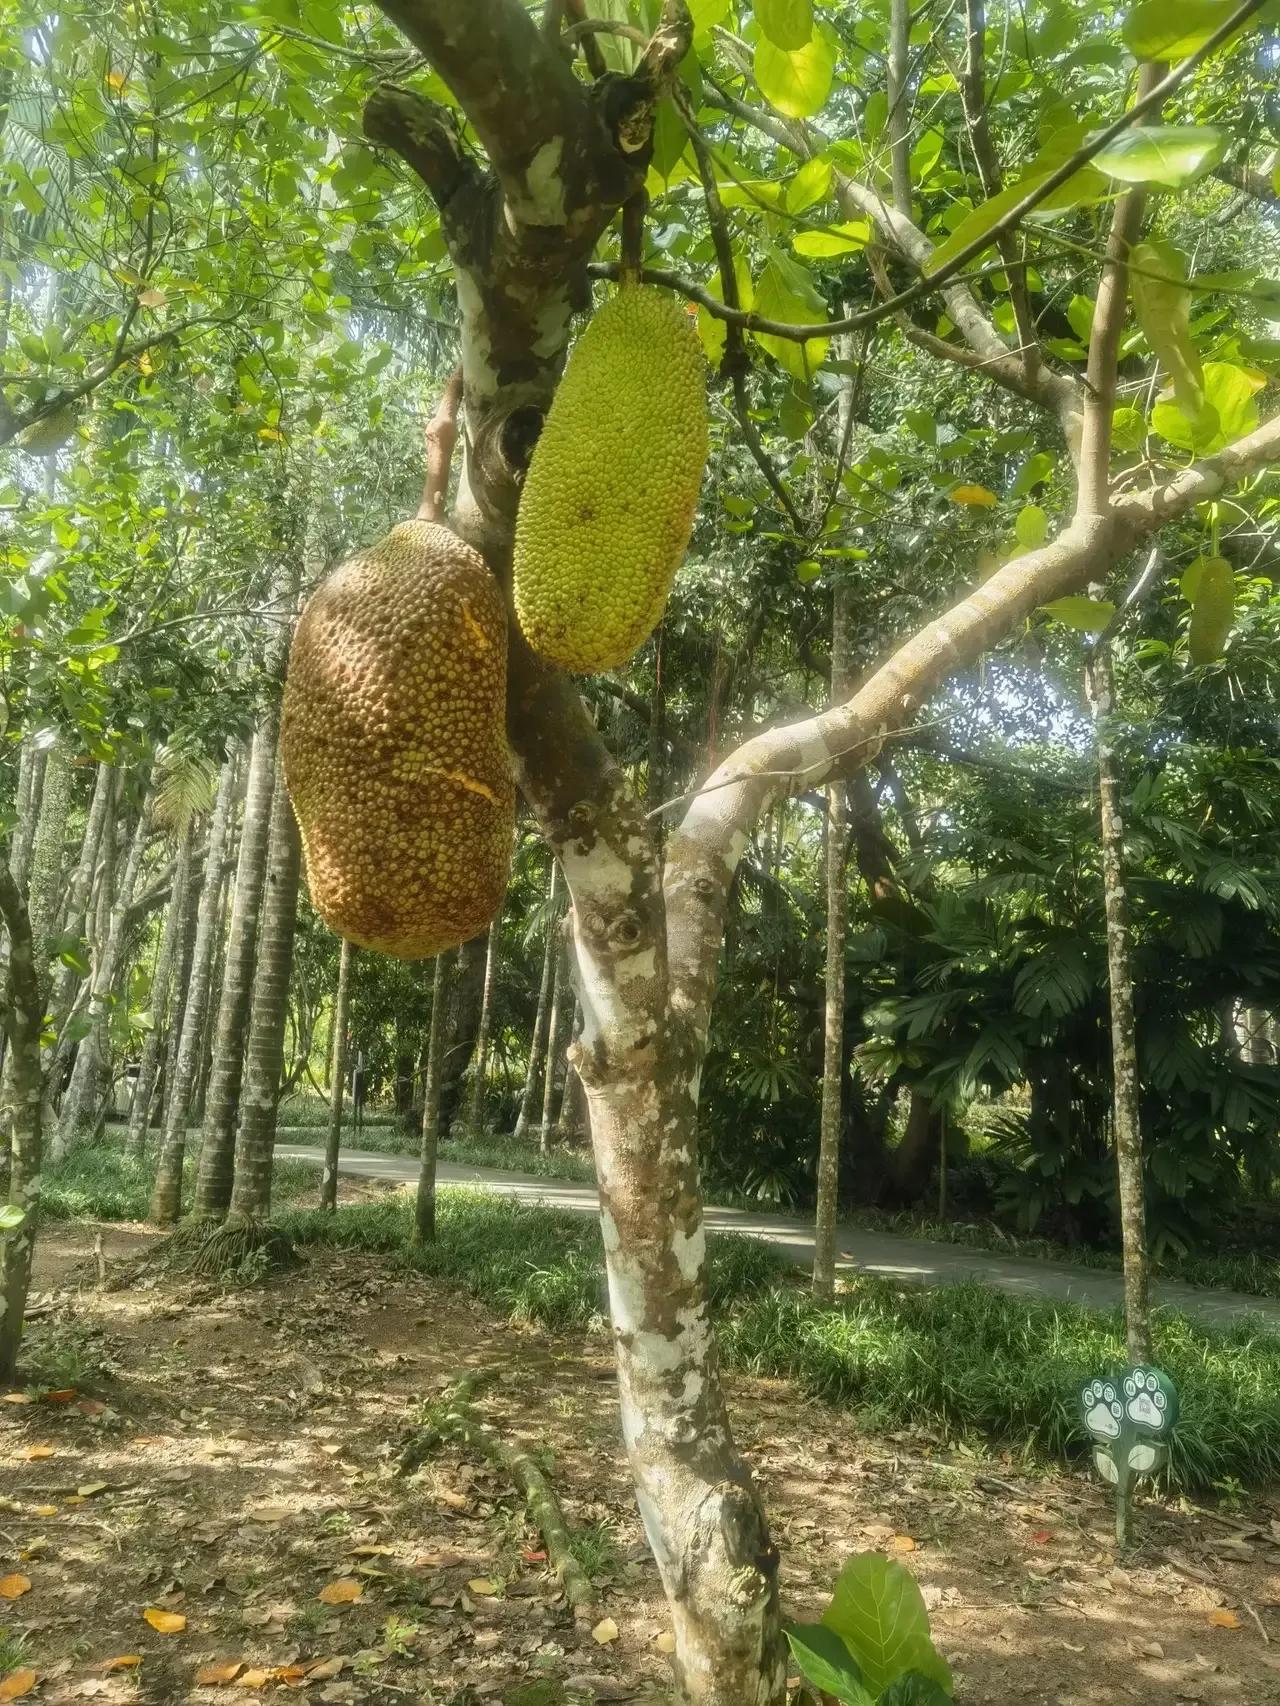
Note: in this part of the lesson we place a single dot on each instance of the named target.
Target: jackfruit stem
(634, 210)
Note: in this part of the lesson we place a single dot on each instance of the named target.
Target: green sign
(1130, 1420)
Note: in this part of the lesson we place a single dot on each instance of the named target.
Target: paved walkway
(886, 1253)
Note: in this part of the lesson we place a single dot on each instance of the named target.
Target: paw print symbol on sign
(1102, 1409)
(1144, 1400)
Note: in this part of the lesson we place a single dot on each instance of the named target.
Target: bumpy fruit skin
(394, 744)
(609, 500)
(1212, 612)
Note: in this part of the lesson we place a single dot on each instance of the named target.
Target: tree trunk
(571, 1125)
(77, 916)
(44, 873)
(264, 1067)
(222, 1097)
(162, 981)
(462, 1027)
(537, 1042)
(824, 1237)
(23, 1022)
(1100, 684)
(166, 1197)
(474, 1118)
(338, 1078)
(424, 1218)
(93, 1063)
(555, 1044)
(27, 809)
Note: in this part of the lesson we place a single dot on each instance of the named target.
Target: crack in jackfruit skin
(612, 488)
(394, 744)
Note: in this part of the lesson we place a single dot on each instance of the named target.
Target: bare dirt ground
(226, 1458)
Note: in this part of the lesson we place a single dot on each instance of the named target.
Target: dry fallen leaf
(18, 1398)
(91, 1489)
(16, 1684)
(345, 1591)
(606, 1630)
(372, 1551)
(666, 1642)
(35, 1453)
(481, 1586)
(253, 1679)
(13, 1587)
(902, 1543)
(64, 1395)
(45, 1510)
(211, 1676)
(165, 1622)
(126, 1661)
(325, 1669)
(293, 1676)
(1225, 1620)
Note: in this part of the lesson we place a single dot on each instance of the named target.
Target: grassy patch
(965, 1360)
(99, 1181)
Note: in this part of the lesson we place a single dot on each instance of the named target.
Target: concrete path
(911, 1259)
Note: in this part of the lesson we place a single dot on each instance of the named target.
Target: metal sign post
(1130, 1421)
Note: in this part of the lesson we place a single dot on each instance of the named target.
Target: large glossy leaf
(1088, 615)
(1172, 29)
(1168, 154)
(785, 291)
(878, 1610)
(788, 24)
(836, 241)
(1228, 412)
(827, 1663)
(797, 83)
(1157, 283)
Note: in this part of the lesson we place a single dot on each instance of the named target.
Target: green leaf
(808, 571)
(811, 184)
(914, 1690)
(827, 1663)
(788, 24)
(11, 1217)
(878, 1609)
(1089, 615)
(1157, 283)
(786, 292)
(1033, 472)
(1080, 316)
(1168, 154)
(836, 242)
(1172, 29)
(1082, 187)
(1031, 529)
(1228, 412)
(1128, 428)
(798, 83)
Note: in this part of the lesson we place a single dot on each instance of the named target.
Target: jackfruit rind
(394, 744)
(1213, 610)
(612, 488)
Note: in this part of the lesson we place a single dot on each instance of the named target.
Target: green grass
(99, 1181)
(966, 1361)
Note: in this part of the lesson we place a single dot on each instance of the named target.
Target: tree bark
(226, 1073)
(77, 916)
(537, 1042)
(1124, 1041)
(474, 1119)
(264, 1066)
(338, 1078)
(27, 807)
(424, 1217)
(166, 1196)
(832, 1116)
(462, 1027)
(162, 1002)
(23, 1023)
(44, 873)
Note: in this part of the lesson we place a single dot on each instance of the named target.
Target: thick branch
(899, 120)
(422, 134)
(703, 854)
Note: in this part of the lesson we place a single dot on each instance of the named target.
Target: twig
(1245, 1606)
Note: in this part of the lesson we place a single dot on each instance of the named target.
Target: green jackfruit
(612, 488)
(394, 744)
(49, 433)
(1213, 609)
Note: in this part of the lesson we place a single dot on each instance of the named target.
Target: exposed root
(453, 1418)
(235, 1252)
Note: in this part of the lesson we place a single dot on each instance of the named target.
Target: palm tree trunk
(162, 980)
(31, 766)
(424, 1219)
(1100, 684)
(23, 1019)
(166, 1196)
(76, 913)
(555, 1045)
(474, 1118)
(537, 1042)
(824, 1238)
(338, 1078)
(264, 1067)
(222, 1096)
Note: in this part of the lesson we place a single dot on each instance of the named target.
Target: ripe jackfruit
(394, 744)
(612, 488)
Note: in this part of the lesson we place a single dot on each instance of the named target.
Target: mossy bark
(337, 1078)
